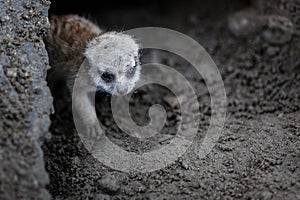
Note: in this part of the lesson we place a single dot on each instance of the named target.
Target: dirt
(257, 156)
(25, 99)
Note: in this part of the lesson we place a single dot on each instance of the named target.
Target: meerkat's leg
(84, 107)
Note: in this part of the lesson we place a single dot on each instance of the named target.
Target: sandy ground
(258, 155)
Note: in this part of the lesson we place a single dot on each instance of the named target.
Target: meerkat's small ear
(140, 53)
(85, 62)
(83, 58)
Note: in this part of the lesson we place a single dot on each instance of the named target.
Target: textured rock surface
(25, 99)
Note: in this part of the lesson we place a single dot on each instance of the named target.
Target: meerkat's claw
(95, 131)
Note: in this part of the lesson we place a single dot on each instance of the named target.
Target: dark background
(132, 14)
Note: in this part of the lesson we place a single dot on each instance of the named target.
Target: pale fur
(113, 52)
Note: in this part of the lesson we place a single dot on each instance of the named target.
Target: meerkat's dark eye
(108, 77)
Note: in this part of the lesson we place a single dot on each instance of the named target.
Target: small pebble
(101, 197)
(184, 165)
(11, 72)
(109, 184)
(279, 30)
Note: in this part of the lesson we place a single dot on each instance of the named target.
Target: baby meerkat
(110, 63)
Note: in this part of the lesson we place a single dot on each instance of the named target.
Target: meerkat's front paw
(93, 129)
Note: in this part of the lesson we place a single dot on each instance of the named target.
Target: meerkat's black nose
(108, 77)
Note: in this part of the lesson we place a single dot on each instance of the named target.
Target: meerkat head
(113, 62)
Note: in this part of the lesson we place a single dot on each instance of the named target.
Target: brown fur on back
(68, 37)
(65, 44)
